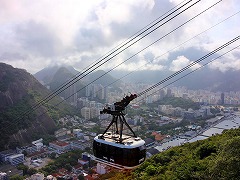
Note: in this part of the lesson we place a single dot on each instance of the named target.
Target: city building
(95, 112)
(62, 132)
(37, 145)
(77, 145)
(4, 155)
(60, 146)
(95, 91)
(169, 93)
(222, 98)
(149, 142)
(37, 176)
(101, 168)
(86, 113)
(161, 94)
(3, 176)
(71, 95)
(16, 159)
(152, 151)
(190, 115)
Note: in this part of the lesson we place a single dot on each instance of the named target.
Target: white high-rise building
(71, 95)
(86, 113)
(95, 112)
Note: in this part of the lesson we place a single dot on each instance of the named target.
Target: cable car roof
(128, 141)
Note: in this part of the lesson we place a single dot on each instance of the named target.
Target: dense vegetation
(55, 107)
(217, 157)
(66, 160)
(11, 120)
(19, 92)
(178, 102)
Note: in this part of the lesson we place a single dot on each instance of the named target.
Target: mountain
(217, 157)
(204, 78)
(20, 123)
(100, 77)
(45, 75)
(63, 75)
(57, 75)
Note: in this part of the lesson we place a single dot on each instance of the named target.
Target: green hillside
(215, 158)
(19, 122)
(61, 77)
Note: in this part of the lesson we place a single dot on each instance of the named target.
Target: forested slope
(215, 158)
(19, 92)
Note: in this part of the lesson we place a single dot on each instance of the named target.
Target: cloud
(11, 56)
(38, 39)
(182, 62)
(229, 62)
(179, 63)
(35, 34)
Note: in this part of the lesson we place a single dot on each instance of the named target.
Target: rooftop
(113, 139)
(60, 143)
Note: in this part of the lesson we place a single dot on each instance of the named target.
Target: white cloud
(35, 34)
(229, 62)
(182, 62)
(179, 63)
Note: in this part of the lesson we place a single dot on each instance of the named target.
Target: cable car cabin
(115, 148)
(128, 154)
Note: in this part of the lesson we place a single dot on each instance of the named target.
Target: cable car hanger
(116, 110)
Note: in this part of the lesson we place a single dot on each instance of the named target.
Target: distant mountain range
(46, 75)
(20, 122)
(57, 75)
(204, 78)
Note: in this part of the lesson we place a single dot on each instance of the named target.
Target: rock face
(18, 92)
(13, 85)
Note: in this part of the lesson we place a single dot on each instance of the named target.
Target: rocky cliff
(20, 123)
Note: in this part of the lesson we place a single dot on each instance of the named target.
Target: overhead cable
(109, 57)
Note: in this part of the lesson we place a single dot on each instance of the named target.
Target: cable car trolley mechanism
(115, 148)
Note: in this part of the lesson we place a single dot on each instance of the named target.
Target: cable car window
(112, 150)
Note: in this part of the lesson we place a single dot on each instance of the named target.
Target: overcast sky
(37, 34)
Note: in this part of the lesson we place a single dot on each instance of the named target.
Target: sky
(38, 34)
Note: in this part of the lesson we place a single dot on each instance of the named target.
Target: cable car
(115, 148)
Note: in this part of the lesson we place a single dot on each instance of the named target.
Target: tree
(91, 171)
(81, 177)
(53, 155)
(25, 153)
(227, 163)
(88, 149)
(23, 168)
(16, 177)
(85, 166)
(151, 170)
(68, 167)
(206, 150)
(31, 171)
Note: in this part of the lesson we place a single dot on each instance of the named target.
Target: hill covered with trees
(215, 158)
(19, 92)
